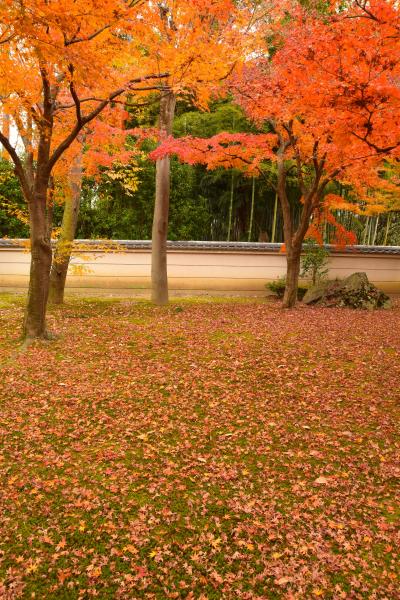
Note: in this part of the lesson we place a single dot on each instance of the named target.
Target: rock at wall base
(355, 292)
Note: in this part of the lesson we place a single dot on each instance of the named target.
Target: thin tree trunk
(253, 195)
(370, 232)
(325, 235)
(375, 231)
(5, 127)
(50, 207)
(366, 232)
(231, 207)
(292, 276)
(35, 315)
(62, 254)
(371, 223)
(275, 218)
(292, 251)
(388, 222)
(159, 276)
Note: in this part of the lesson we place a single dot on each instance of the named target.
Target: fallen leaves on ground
(226, 450)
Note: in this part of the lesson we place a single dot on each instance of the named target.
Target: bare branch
(84, 120)
(95, 34)
(7, 39)
(148, 88)
(47, 98)
(315, 155)
(88, 38)
(363, 5)
(379, 150)
(77, 103)
(19, 169)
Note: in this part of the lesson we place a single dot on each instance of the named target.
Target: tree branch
(19, 169)
(299, 166)
(88, 38)
(92, 36)
(84, 120)
(77, 103)
(363, 6)
(7, 39)
(374, 146)
(47, 99)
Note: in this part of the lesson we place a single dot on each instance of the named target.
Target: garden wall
(194, 266)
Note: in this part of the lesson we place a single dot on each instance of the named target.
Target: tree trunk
(293, 251)
(388, 222)
(5, 127)
(159, 277)
(62, 254)
(35, 315)
(228, 239)
(253, 193)
(275, 218)
(292, 276)
(366, 232)
(375, 230)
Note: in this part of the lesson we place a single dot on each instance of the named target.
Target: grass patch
(212, 448)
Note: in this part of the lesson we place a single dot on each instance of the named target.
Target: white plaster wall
(195, 270)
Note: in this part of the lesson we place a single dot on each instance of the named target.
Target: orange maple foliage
(82, 56)
(329, 98)
(200, 43)
(61, 65)
(71, 63)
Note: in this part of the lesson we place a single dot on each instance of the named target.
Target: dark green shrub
(277, 287)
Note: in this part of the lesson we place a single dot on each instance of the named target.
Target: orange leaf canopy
(334, 79)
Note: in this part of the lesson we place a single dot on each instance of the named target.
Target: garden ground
(219, 449)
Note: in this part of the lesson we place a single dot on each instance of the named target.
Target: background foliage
(200, 198)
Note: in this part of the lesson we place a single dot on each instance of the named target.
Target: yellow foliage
(126, 175)
(13, 210)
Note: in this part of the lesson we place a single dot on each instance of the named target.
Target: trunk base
(159, 276)
(292, 279)
(56, 293)
(28, 340)
(35, 315)
(160, 299)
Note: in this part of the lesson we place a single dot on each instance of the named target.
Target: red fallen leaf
(47, 540)
(140, 572)
(217, 577)
(63, 574)
(61, 544)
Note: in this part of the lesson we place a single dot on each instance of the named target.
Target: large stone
(315, 293)
(355, 291)
(355, 282)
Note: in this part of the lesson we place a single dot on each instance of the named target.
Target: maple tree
(199, 43)
(336, 81)
(68, 63)
(192, 42)
(328, 97)
(102, 151)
